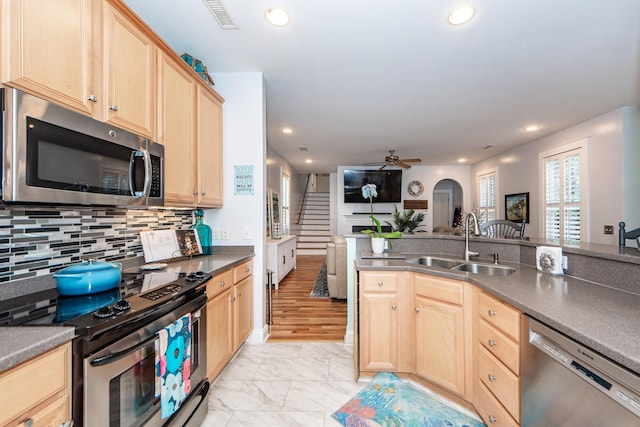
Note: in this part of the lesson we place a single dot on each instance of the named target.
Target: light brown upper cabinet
(129, 56)
(209, 136)
(49, 50)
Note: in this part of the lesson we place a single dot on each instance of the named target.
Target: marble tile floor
(283, 384)
(286, 384)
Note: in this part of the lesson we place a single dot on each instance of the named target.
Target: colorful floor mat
(388, 402)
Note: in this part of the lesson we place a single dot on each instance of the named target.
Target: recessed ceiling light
(277, 16)
(287, 131)
(532, 128)
(461, 15)
(462, 160)
(308, 161)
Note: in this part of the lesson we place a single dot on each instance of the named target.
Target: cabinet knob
(222, 284)
(114, 108)
(239, 294)
(492, 343)
(492, 419)
(92, 98)
(204, 193)
(233, 299)
(380, 283)
(417, 309)
(195, 193)
(491, 377)
(393, 307)
(246, 270)
(28, 423)
(492, 313)
(67, 424)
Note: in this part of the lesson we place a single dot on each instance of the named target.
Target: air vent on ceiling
(220, 13)
(303, 149)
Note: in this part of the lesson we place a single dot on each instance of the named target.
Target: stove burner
(161, 292)
(199, 274)
(104, 312)
(122, 305)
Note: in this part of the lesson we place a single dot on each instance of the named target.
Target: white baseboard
(348, 338)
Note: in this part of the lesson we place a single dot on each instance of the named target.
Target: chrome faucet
(476, 232)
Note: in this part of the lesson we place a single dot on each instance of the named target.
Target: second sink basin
(485, 269)
(434, 262)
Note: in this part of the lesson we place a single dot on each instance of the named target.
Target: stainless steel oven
(54, 155)
(120, 379)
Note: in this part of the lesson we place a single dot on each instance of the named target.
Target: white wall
(518, 171)
(244, 143)
(631, 161)
(428, 175)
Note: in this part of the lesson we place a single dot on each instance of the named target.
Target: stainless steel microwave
(54, 155)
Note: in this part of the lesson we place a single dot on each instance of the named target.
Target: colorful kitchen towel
(173, 365)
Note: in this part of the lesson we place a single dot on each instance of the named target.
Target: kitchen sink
(484, 269)
(434, 262)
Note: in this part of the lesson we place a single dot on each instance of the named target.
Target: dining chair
(502, 228)
(625, 235)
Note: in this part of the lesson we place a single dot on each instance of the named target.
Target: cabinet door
(440, 343)
(129, 75)
(49, 50)
(379, 324)
(243, 311)
(176, 132)
(55, 413)
(219, 332)
(209, 137)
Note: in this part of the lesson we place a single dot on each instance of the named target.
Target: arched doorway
(447, 203)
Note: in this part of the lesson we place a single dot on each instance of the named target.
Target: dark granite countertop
(600, 317)
(21, 343)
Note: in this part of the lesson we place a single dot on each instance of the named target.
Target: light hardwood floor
(296, 316)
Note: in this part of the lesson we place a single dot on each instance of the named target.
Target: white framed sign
(243, 180)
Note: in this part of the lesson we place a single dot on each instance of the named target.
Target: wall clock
(415, 188)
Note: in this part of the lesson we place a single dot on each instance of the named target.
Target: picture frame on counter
(516, 207)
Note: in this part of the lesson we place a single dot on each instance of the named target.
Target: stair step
(301, 251)
(323, 226)
(313, 232)
(307, 238)
(312, 245)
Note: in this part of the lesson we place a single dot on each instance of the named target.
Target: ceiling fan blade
(403, 165)
(374, 164)
(411, 160)
(384, 166)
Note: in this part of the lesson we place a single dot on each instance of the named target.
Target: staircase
(313, 230)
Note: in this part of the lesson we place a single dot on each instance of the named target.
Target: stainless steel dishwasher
(565, 384)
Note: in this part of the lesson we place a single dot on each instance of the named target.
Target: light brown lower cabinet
(229, 315)
(37, 393)
(445, 332)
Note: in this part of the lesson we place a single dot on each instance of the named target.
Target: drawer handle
(492, 313)
(67, 424)
(246, 270)
(283, 261)
(393, 307)
(492, 419)
(28, 422)
(491, 377)
(380, 283)
(492, 343)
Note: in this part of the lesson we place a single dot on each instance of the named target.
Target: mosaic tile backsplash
(37, 241)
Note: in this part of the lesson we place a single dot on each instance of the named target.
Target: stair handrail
(304, 197)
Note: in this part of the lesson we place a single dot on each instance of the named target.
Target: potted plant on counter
(369, 191)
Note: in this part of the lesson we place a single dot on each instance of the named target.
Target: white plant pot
(377, 245)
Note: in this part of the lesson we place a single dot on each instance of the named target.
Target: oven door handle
(109, 358)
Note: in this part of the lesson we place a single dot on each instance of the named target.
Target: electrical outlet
(608, 229)
(216, 233)
(246, 233)
(225, 234)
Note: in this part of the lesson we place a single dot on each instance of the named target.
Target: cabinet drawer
(442, 289)
(491, 411)
(378, 281)
(219, 283)
(504, 385)
(34, 381)
(500, 315)
(242, 271)
(502, 347)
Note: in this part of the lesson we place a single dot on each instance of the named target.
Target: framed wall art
(516, 207)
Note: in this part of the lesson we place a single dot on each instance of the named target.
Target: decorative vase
(377, 245)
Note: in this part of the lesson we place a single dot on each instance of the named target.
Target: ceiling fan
(393, 160)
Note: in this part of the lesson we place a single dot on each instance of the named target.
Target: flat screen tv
(388, 184)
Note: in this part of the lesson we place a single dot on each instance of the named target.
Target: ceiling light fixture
(462, 160)
(308, 161)
(532, 128)
(277, 16)
(287, 131)
(461, 15)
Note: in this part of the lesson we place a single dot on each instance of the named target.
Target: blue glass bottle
(204, 232)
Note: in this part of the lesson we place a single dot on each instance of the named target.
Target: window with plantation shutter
(487, 191)
(564, 191)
